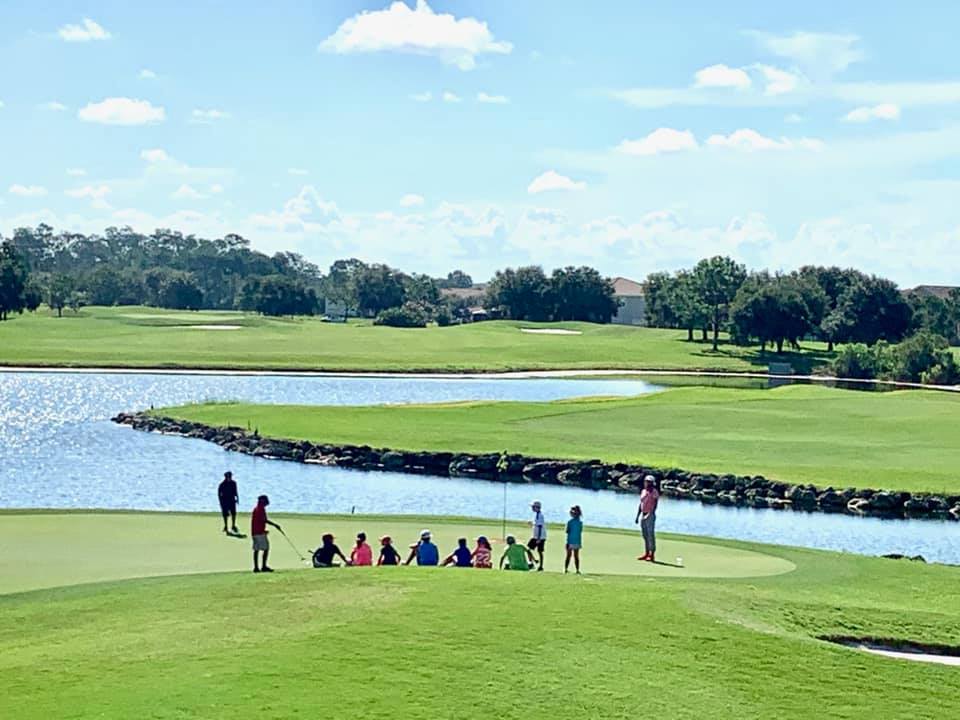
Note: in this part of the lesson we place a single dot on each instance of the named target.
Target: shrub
(857, 361)
(408, 315)
(919, 354)
(443, 316)
(942, 374)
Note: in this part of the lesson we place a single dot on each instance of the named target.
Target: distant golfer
(258, 530)
(227, 494)
(517, 556)
(574, 538)
(647, 517)
(538, 537)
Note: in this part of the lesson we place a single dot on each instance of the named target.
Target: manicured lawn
(146, 337)
(428, 643)
(903, 440)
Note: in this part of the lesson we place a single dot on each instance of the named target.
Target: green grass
(903, 440)
(428, 643)
(145, 337)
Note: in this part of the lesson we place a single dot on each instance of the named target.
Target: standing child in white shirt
(538, 538)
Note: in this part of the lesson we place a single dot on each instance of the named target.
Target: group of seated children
(425, 552)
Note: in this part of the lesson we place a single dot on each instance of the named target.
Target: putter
(299, 554)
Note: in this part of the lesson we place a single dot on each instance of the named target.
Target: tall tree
(582, 293)
(717, 280)
(13, 280)
(871, 309)
(378, 287)
(59, 288)
(523, 294)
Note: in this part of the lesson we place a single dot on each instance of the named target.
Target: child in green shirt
(518, 557)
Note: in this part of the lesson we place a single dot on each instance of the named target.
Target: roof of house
(464, 293)
(940, 291)
(625, 287)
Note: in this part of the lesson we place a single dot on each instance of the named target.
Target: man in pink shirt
(647, 517)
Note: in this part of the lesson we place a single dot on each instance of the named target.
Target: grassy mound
(902, 440)
(148, 337)
(418, 643)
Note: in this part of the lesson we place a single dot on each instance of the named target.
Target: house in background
(940, 291)
(633, 308)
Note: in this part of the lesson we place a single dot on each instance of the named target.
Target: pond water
(58, 449)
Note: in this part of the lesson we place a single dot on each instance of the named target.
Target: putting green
(41, 550)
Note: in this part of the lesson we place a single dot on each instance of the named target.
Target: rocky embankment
(739, 490)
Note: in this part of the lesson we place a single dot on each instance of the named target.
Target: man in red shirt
(258, 530)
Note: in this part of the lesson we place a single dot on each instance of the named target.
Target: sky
(631, 136)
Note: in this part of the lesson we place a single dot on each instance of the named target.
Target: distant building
(633, 308)
(940, 291)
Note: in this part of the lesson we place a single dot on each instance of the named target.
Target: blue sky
(631, 136)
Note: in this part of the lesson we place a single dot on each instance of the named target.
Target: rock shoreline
(736, 490)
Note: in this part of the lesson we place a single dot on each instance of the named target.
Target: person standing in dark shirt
(227, 494)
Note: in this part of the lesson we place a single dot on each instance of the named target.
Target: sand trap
(550, 331)
(904, 652)
(215, 327)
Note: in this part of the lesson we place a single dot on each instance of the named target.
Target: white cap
(424, 533)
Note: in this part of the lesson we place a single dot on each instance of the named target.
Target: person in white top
(538, 538)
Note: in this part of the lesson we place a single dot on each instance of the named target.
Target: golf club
(290, 542)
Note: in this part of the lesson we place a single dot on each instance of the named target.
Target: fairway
(114, 546)
(902, 440)
(140, 337)
(433, 643)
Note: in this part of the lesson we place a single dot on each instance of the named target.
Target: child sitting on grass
(388, 553)
(325, 555)
(461, 557)
(574, 538)
(361, 553)
(518, 557)
(483, 554)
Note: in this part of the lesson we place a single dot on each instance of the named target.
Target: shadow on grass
(804, 362)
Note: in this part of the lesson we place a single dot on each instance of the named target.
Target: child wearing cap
(461, 557)
(518, 556)
(324, 556)
(538, 538)
(574, 538)
(388, 553)
(424, 551)
(361, 553)
(483, 554)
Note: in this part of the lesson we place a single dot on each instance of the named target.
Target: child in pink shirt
(361, 554)
(647, 517)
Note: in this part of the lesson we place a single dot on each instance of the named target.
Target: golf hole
(901, 649)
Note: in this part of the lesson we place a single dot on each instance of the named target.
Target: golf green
(55, 549)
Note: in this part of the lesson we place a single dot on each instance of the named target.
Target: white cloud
(54, 106)
(793, 118)
(216, 188)
(411, 200)
(27, 190)
(883, 111)
(122, 111)
(903, 94)
(419, 31)
(749, 140)
(422, 97)
(147, 74)
(208, 117)
(482, 97)
(86, 31)
(76, 172)
(297, 171)
(1, 103)
(661, 140)
(779, 82)
(156, 155)
(95, 193)
(186, 192)
(722, 76)
(450, 97)
(822, 54)
(306, 212)
(552, 180)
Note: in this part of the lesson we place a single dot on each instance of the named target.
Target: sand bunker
(215, 327)
(941, 655)
(550, 331)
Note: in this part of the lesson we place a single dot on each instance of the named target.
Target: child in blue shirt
(461, 557)
(574, 538)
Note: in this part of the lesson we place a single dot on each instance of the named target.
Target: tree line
(835, 305)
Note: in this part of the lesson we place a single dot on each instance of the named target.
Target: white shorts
(260, 542)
